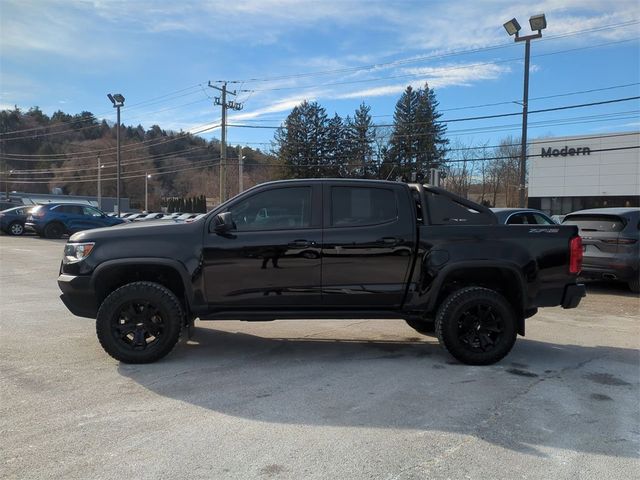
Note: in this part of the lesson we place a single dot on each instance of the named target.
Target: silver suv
(610, 239)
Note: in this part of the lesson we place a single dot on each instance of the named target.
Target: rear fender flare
(512, 268)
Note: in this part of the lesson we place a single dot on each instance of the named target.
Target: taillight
(575, 255)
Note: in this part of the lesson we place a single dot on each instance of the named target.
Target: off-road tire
(113, 322)
(634, 285)
(473, 344)
(424, 326)
(15, 229)
(53, 230)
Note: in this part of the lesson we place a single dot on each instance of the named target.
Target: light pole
(146, 192)
(100, 167)
(539, 23)
(118, 101)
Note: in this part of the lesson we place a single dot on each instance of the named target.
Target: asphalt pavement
(314, 399)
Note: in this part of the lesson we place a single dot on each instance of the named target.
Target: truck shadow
(542, 396)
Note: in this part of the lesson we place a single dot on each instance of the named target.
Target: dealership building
(587, 171)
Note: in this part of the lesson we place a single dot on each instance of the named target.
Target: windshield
(595, 223)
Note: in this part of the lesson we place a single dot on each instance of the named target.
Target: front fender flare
(165, 262)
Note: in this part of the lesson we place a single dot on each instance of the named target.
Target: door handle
(301, 244)
(390, 241)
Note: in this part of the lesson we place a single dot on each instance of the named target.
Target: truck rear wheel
(476, 325)
(139, 322)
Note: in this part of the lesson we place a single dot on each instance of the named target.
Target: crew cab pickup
(322, 248)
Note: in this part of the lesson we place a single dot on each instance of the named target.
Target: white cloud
(279, 106)
(436, 77)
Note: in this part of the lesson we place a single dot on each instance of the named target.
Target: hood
(149, 228)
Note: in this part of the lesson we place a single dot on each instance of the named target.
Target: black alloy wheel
(139, 322)
(476, 325)
(137, 325)
(480, 327)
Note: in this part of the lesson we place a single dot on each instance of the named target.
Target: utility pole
(99, 184)
(240, 179)
(5, 170)
(146, 191)
(222, 101)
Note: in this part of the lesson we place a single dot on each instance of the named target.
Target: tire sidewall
(161, 298)
(459, 302)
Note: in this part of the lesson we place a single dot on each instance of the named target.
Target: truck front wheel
(476, 325)
(139, 322)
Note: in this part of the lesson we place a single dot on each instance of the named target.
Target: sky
(161, 55)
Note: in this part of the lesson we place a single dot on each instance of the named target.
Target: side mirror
(223, 223)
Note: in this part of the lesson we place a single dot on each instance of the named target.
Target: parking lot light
(539, 23)
(512, 27)
(118, 101)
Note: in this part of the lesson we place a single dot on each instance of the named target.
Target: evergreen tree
(335, 155)
(418, 140)
(431, 143)
(301, 142)
(402, 146)
(359, 140)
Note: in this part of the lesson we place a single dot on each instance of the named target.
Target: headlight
(75, 252)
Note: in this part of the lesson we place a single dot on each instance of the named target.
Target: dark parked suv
(610, 242)
(55, 219)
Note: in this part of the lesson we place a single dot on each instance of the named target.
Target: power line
(309, 166)
(79, 120)
(100, 116)
(161, 98)
(133, 161)
(147, 143)
(191, 157)
(198, 101)
(432, 57)
(136, 146)
(484, 117)
(93, 177)
(436, 70)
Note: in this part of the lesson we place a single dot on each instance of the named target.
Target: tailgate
(600, 234)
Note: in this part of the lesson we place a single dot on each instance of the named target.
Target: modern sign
(565, 151)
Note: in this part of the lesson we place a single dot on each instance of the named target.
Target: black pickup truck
(323, 248)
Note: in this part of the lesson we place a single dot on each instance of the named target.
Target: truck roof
(341, 180)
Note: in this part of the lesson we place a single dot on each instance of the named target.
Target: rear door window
(91, 212)
(517, 219)
(595, 223)
(361, 206)
(70, 209)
